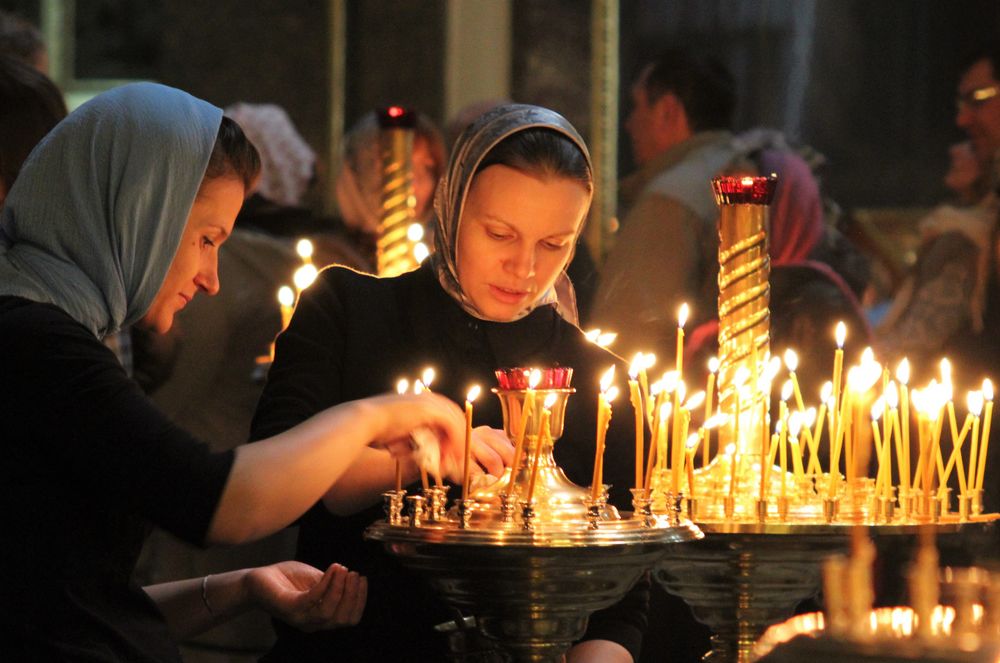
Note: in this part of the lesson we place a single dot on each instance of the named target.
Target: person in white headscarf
(116, 219)
(494, 294)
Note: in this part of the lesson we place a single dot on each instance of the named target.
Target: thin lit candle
(975, 402)
(402, 387)
(713, 369)
(603, 419)
(469, 400)
(984, 443)
(543, 435)
(304, 248)
(903, 376)
(635, 397)
(840, 335)
(792, 362)
(534, 377)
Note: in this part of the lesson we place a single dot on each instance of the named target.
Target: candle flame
(773, 366)
(795, 424)
(419, 387)
(304, 248)
(826, 391)
(682, 315)
(612, 393)
(304, 276)
(415, 232)
(638, 363)
(730, 449)
(692, 441)
(695, 401)
(878, 408)
(648, 360)
(747, 181)
(742, 375)
(427, 376)
(791, 360)
(665, 411)
(656, 388)
(681, 391)
(945, 370)
(809, 418)
(420, 252)
(607, 378)
(534, 378)
(903, 371)
(713, 365)
(669, 381)
(988, 390)
(867, 356)
(592, 335)
(473, 394)
(550, 400)
(786, 390)
(716, 420)
(606, 339)
(841, 334)
(892, 396)
(402, 386)
(285, 296)
(974, 399)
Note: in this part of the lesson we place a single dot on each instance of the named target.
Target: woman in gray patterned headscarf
(509, 148)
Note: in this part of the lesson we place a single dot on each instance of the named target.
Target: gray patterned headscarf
(475, 143)
(94, 219)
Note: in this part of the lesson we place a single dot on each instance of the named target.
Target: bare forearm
(275, 480)
(372, 473)
(188, 613)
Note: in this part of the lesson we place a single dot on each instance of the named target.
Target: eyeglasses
(976, 98)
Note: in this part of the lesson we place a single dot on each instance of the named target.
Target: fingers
(497, 440)
(352, 602)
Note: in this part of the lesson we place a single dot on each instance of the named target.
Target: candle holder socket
(939, 506)
(528, 515)
(762, 510)
(977, 502)
(508, 503)
(729, 507)
(782, 509)
(435, 500)
(831, 505)
(393, 505)
(465, 512)
(690, 508)
(416, 509)
(965, 501)
(642, 505)
(594, 510)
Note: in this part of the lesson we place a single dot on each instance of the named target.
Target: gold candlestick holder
(531, 571)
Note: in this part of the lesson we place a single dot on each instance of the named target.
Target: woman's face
(196, 265)
(515, 236)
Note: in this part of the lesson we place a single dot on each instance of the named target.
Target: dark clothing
(354, 335)
(89, 464)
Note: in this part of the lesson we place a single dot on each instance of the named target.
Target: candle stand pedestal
(532, 555)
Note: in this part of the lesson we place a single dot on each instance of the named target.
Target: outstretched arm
(293, 592)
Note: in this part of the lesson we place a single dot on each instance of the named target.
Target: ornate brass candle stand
(531, 569)
(764, 539)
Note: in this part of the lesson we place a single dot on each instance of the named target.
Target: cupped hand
(308, 598)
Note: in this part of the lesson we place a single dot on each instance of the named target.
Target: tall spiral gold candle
(744, 295)
(394, 249)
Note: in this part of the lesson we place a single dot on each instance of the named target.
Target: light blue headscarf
(93, 221)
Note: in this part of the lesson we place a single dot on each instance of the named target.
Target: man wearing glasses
(978, 106)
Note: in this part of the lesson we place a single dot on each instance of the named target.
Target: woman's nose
(208, 276)
(522, 263)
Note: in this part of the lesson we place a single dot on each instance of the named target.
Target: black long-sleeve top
(88, 464)
(356, 335)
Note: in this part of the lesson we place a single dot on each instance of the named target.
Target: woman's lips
(508, 296)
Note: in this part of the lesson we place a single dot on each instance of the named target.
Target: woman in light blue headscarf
(116, 219)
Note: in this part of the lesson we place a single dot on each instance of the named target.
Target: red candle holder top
(744, 190)
(557, 377)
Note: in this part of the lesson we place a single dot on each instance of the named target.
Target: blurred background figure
(949, 303)
(22, 40)
(30, 105)
(359, 181)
